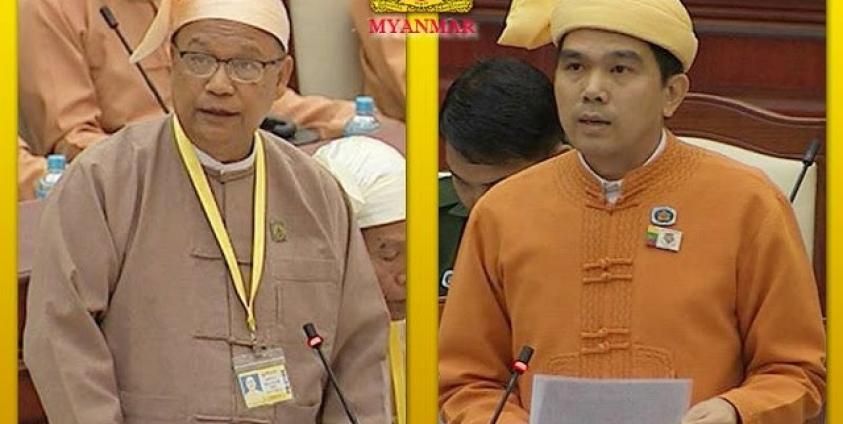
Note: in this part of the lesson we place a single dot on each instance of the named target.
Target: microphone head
(811, 154)
(310, 330)
(108, 16)
(313, 338)
(526, 354)
(520, 364)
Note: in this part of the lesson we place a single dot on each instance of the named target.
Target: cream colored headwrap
(372, 173)
(268, 15)
(666, 23)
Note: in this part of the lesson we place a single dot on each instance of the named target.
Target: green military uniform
(452, 218)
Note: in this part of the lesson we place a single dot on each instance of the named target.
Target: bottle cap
(56, 163)
(365, 104)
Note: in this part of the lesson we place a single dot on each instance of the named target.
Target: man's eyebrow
(248, 48)
(626, 54)
(252, 49)
(566, 54)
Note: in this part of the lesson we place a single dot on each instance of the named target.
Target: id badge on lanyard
(262, 377)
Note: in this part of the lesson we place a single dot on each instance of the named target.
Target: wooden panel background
(743, 125)
(768, 53)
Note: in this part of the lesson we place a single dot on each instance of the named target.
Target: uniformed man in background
(498, 118)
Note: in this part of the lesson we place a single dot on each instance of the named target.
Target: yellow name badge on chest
(664, 238)
(262, 377)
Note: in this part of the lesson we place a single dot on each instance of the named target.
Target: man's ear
(674, 92)
(284, 75)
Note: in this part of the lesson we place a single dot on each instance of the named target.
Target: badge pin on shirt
(663, 216)
(660, 237)
(278, 231)
(664, 238)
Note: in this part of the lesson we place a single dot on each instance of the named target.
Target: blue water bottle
(364, 120)
(55, 169)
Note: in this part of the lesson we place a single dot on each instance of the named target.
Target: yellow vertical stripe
(422, 310)
(8, 214)
(834, 225)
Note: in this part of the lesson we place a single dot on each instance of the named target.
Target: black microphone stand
(314, 341)
(807, 160)
(112, 23)
(518, 367)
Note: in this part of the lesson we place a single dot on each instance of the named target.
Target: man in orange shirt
(637, 255)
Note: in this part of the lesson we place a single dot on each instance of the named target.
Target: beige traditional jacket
(132, 315)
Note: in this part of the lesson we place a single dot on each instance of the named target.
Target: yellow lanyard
(397, 329)
(209, 205)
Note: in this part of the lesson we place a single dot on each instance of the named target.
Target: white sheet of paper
(564, 400)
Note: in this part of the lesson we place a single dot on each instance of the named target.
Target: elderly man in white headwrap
(184, 254)
(635, 256)
(373, 175)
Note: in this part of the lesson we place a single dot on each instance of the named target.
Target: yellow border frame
(8, 214)
(422, 150)
(834, 193)
(422, 207)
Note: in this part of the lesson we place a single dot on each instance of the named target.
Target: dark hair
(669, 65)
(500, 110)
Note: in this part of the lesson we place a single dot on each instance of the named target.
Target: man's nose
(595, 89)
(219, 83)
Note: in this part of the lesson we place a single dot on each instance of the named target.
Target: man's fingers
(694, 415)
(712, 411)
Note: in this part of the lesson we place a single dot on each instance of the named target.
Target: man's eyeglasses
(203, 65)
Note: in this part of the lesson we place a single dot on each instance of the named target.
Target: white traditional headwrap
(268, 15)
(373, 175)
(665, 23)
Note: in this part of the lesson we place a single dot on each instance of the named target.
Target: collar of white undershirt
(612, 188)
(224, 168)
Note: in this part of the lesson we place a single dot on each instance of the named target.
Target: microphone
(314, 341)
(807, 160)
(112, 23)
(518, 367)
